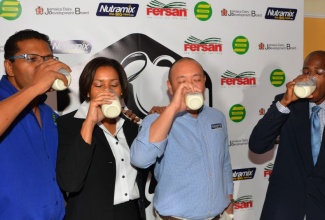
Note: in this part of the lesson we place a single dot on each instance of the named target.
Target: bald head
(182, 61)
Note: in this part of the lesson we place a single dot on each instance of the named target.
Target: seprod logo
(174, 9)
(10, 9)
(244, 202)
(287, 14)
(243, 174)
(194, 44)
(277, 78)
(203, 11)
(240, 45)
(237, 113)
(268, 170)
(71, 47)
(117, 10)
(245, 78)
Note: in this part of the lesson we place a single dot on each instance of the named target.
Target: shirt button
(56, 203)
(123, 176)
(125, 194)
(122, 159)
(116, 142)
(53, 179)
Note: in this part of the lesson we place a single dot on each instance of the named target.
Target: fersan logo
(10, 9)
(117, 10)
(244, 202)
(268, 170)
(277, 78)
(194, 44)
(174, 9)
(243, 174)
(232, 79)
(286, 14)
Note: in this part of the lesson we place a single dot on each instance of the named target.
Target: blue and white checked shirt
(193, 166)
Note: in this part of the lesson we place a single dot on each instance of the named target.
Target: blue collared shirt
(193, 167)
(28, 187)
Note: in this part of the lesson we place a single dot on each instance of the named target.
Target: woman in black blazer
(93, 164)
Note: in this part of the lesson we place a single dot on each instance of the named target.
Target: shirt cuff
(281, 108)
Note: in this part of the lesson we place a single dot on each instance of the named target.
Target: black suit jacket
(88, 172)
(296, 187)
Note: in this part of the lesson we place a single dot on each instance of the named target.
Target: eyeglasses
(307, 71)
(34, 58)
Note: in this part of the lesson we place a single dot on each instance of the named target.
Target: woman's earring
(88, 95)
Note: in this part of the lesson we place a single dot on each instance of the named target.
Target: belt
(173, 218)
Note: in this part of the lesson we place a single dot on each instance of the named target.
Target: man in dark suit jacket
(296, 188)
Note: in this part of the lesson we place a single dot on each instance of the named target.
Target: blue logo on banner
(117, 10)
(243, 174)
(287, 14)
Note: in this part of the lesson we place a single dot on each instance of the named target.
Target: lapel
(301, 128)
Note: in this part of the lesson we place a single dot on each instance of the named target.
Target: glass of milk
(58, 84)
(112, 110)
(303, 89)
(194, 100)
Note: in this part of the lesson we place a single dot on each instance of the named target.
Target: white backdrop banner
(249, 50)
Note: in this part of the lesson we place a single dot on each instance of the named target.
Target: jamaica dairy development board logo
(278, 46)
(244, 202)
(286, 14)
(277, 78)
(246, 78)
(243, 174)
(212, 45)
(10, 9)
(174, 9)
(203, 11)
(237, 113)
(117, 10)
(268, 170)
(240, 13)
(240, 45)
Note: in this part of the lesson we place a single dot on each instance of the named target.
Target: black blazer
(296, 187)
(88, 172)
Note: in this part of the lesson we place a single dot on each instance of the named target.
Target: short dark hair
(88, 74)
(182, 59)
(11, 46)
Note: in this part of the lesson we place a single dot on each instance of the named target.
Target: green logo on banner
(203, 11)
(240, 45)
(277, 78)
(10, 9)
(237, 113)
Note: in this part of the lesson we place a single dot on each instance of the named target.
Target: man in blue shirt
(190, 152)
(28, 133)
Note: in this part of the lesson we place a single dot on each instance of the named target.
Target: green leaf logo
(237, 113)
(10, 9)
(240, 45)
(203, 11)
(157, 4)
(277, 78)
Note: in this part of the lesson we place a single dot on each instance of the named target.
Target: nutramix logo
(174, 9)
(278, 46)
(246, 78)
(10, 9)
(212, 44)
(277, 78)
(240, 13)
(268, 170)
(237, 113)
(287, 14)
(203, 11)
(117, 10)
(243, 174)
(71, 47)
(244, 202)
